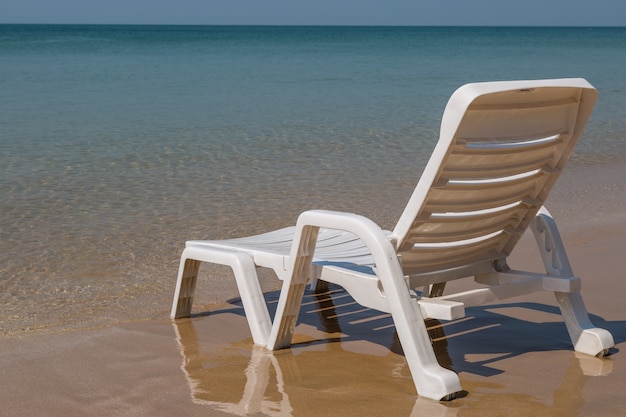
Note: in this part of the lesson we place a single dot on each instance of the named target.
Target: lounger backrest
(501, 149)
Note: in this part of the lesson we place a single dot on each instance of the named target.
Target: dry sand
(513, 358)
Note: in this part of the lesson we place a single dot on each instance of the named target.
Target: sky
(319, 12)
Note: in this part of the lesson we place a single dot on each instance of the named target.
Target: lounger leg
(317, 285)
(247, 282)
(292, 290)
(431, 379)
(185, 288)
(586, 338)
(436, 290)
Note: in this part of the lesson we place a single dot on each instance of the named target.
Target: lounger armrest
(301, 258)
(365, 229)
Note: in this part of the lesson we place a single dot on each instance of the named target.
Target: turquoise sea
(118, 143)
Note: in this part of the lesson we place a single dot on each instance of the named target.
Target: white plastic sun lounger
(501, 149)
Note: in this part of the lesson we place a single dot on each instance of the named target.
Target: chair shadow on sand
(366, 371)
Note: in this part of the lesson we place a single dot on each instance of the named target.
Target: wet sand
(513, 358)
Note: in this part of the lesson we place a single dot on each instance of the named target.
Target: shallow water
(118, 143)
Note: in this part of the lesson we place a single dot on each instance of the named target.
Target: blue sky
(319, 12)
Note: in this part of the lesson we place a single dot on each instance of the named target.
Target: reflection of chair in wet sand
(309, 381)
(501, 149)
(313, 380)
(224, 385)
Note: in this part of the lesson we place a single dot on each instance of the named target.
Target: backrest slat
(501, 149)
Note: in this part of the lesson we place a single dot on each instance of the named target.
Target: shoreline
(587, 201)
(150, 366)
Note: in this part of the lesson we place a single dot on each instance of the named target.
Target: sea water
(118, 143)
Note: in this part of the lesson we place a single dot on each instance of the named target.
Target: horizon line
(309, 25)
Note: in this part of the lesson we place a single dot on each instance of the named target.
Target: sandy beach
(513, 358)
